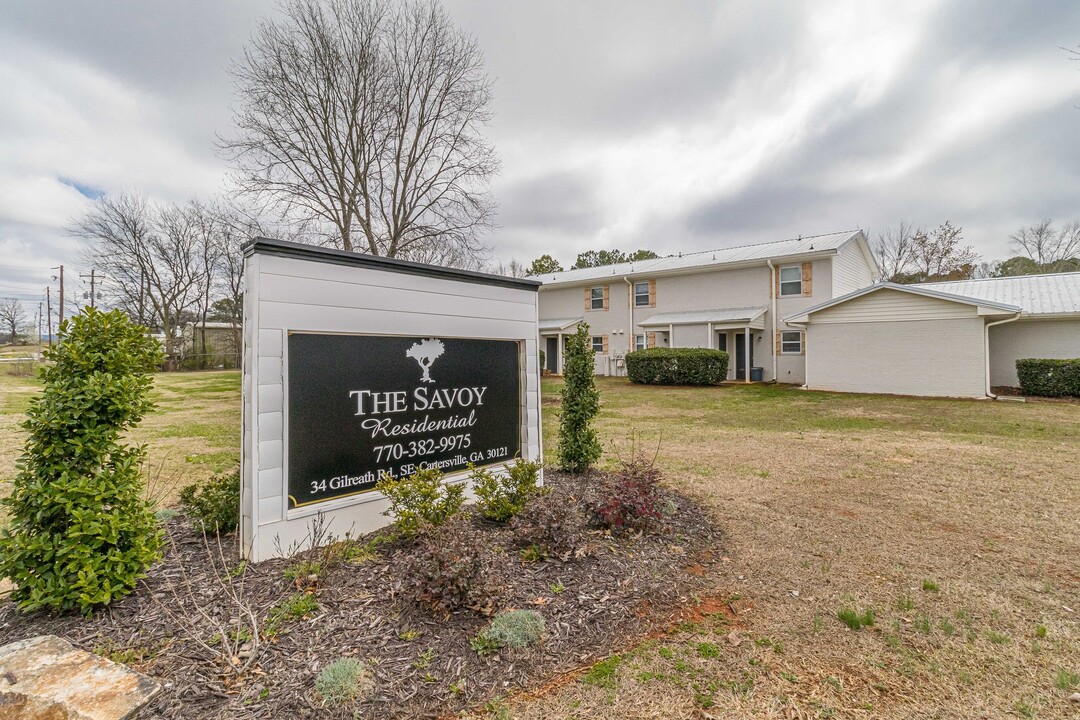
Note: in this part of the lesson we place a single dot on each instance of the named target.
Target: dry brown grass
(833, 502)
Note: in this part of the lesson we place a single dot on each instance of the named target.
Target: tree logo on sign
(424, 353)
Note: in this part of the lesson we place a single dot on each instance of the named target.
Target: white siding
(851, 271)
(924, 357)
(893, 306)
(1030, 339)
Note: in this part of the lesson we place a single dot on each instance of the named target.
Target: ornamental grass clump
(579, 446)
(510, 628)
(80, 533)
(342, 681)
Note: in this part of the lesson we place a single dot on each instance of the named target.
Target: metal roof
(1054, 294)
(799, 317)
(558, 324)
(803, 246)
(700, 317)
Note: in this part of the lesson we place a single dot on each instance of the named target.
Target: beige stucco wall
(911, 357)
(1030, 339)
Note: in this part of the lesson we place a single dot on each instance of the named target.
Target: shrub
(510, 628)
(502, 496)
(421, 499)
(214, 506)
(452, 567)
(579, 446)
(80, 533)
(543, 362)
(342, 681)
(677, 366)
(552, 524)
(630, 497)
(1049, 378)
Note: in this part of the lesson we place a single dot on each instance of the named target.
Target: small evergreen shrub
(342, 681)
(502, 496)
(552, 524)
(543, 362)
(579, 446)
(630, 498)
(510, 628)
(421, 499)
(452, 567)
(80, 533)
(677, 366)
(214, 506)
(1049, 378)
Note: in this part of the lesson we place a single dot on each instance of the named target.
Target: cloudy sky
(673, 126)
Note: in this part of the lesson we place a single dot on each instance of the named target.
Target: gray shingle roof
(1054, 294)
(726, 256)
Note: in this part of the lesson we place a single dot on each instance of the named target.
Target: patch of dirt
(623, 589)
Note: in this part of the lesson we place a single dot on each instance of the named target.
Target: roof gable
(982, 307)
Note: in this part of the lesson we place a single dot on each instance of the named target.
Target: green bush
(214, 505)
(510, 628)
(543, 361)
(80, 533)
(342, 681)
(421, 499)
(677, 366)
(502, 496)
(1049, 378)
(579, 446)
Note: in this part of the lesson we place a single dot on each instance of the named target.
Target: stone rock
(48, 678)
(1075, 697)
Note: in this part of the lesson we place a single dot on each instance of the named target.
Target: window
(791, 280)
(596, 298)
(598, 343)
(640, 342)
(642, 297)
(790, 342)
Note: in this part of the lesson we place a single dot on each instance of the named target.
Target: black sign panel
(361, 407)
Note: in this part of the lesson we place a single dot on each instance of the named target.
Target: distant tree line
(909, 254)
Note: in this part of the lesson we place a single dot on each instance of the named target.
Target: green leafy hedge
(677, 366)
(1049, 378)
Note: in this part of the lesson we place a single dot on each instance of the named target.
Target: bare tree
(367, 117)
(514, 268)
(894, 250)
(1052, 250)
(149, 256)
(939, 255)
(12, 317)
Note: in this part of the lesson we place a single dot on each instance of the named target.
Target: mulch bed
(625, 586)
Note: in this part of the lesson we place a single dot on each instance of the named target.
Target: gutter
(772, 314)
(986, 349)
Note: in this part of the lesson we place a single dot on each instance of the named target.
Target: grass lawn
(956, 523)
(194, 433)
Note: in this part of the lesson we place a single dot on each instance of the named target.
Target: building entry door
(740, 355)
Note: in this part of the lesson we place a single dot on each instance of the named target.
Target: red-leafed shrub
(451, 567)
(630, 497)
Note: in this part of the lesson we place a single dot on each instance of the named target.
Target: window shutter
(650, 339)
(652, 293)
(775, 282)
(605, 347)
(588, 299)
(606, 289)
(807, 279)
(802, 345)
(776, 343)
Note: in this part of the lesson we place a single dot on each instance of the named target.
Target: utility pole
(91, 285)
(61, 269)
(48, 305)
(39, 323)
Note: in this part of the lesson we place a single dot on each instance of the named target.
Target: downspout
(772, 314)
(986, 350)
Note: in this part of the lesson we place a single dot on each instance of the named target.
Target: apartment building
(732, 299)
